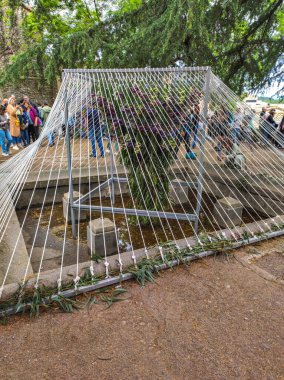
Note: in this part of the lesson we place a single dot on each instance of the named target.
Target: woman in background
(24, 126)
(33, 121)
(15, 130)
(5, 137)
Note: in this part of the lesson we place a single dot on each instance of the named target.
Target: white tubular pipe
(138, 70)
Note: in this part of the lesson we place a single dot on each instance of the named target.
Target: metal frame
(200, 178)
(77, 205)
(138, 70)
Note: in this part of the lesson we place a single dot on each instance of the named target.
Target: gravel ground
(214, 319)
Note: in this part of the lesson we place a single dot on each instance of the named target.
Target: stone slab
(122, 188)
(178, 194)
(228, 212)
(82, 215)
(13, 252)
(76, 195)
(49, 253)
(229, 203)
(101, 225)
(102, 243)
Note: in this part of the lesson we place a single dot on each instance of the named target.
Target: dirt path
(213, 320)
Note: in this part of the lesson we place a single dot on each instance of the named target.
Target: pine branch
(255, 26)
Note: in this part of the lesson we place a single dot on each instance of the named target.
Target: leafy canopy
(240, 39)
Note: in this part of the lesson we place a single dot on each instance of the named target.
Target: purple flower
(111, 112)
(163, 134)
(141, 95)
(157, 103)
(159, 126)
(118, 122)
(135, 89)
(130, 145)
(129, 111)
(149, 110)
(141, 129)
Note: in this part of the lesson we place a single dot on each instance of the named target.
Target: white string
(16, 171)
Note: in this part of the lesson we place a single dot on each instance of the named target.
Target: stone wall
(37, 90)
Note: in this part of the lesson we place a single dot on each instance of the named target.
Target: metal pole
(200, 177)
(111, 170)
(139, 70)
(69, 163)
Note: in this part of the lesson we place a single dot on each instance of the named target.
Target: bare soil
(273, 264)
(214, 319)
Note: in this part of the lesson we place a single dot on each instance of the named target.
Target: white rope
(264, 172)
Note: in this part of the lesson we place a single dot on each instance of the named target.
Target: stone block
(121, 188)
(67, 215)
(13, 252)
(101, 237)
(178, 193)
(102, 193)
(228, 212)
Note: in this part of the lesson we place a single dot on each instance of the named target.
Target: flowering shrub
(148, 126)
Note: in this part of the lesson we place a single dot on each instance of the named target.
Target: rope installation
(131, 165)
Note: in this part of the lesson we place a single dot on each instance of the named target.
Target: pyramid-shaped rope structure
(131, 165)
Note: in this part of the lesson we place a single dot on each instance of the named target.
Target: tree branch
(257, 24)
(97, 10)
(26, 7)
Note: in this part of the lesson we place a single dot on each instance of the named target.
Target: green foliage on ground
(144, 271)
(241, 40)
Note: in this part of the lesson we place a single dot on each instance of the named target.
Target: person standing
(237, 125)
(40, 113)
(263, 114)
(262, 121)
(33, 120)
(94, 130)
(26, 99)
(4, 103)
(248, 128)
(45, 113)
(5, 137)
(222, 126)
(272, 126)
(194, 124)
(190, 128)
(270, 118)
(281, 133)
(24, 127)
(15, 130)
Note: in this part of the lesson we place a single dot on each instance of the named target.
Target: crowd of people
(270, 129)
(20, 122)
(228, 129)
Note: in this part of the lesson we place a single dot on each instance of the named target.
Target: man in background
(262, 121)
(94, 129)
